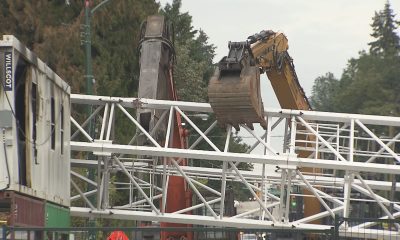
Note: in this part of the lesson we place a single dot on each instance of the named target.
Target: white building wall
(47, 174)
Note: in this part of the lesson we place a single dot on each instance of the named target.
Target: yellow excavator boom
(270, 51)
(234, 90)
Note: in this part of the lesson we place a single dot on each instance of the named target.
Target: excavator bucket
(235, 96)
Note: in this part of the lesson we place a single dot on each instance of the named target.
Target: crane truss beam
(341, 145)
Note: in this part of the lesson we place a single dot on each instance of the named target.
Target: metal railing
(139, 233)
(366, 228)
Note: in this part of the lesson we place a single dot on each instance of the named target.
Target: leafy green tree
(182, 22)
(55, 35)
(194, 55)
(366, 92)
(384, 28)
(188, 75)
(323, 92)
(204, 52)
(370, 83)
(115, 40)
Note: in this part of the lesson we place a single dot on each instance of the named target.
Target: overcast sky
(322, 35)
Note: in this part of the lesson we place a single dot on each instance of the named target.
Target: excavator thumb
(234, 89)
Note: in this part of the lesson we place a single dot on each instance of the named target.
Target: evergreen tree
(323, 92)
(370, 83)
(364, 86)
(55, 36)
(193, 53)
(384, 28)
(182, 22)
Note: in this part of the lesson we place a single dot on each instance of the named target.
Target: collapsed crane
(234, 90)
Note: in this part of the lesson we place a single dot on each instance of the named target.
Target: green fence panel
(57, 216)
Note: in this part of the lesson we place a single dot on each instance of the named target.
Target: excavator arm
(234, 89)
(270, 52)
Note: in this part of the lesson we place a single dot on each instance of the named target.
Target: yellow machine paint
(234, 90)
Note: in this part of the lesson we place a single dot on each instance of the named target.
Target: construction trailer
(34, 139)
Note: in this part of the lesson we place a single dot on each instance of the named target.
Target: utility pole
(88, 51)
(88, 44)
(89, 79)
(89, 91)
